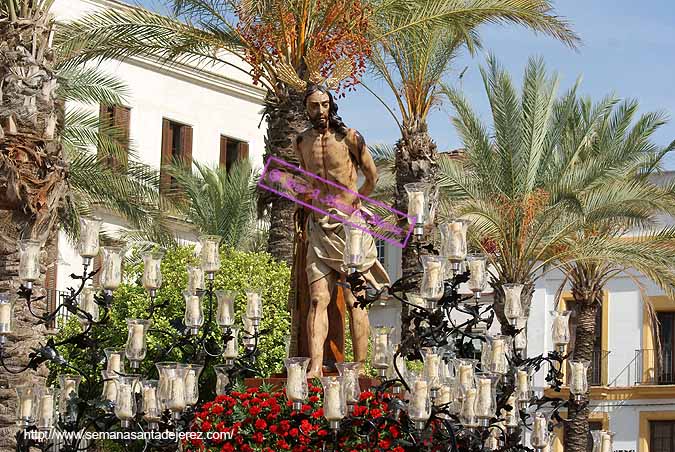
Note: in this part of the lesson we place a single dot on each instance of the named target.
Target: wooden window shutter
(222, 161)
(186, 148)
(243, 151)
(167, 142)
(121, 120)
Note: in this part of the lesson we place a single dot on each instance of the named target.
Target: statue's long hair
(334, 120)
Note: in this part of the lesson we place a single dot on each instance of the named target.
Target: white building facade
(209, 115)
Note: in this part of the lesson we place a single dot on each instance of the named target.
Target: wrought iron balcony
(654, 367)
(597, 367)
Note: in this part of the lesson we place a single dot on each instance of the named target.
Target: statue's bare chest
(328, 157)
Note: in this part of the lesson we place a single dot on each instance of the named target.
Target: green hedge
(239, 270)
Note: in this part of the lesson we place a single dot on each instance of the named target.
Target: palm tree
(557, 184)
(32, 166)
(220, 202)
(413, 63)
(621, 198)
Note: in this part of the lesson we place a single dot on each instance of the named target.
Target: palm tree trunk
(415, 162)
(585, 307)
(286, 119)
(32, 184)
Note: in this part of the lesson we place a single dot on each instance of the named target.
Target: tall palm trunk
(286, 119)
(32, 183)
(587, 300)
(415, 162)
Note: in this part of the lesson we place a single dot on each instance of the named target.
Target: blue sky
(627, 49)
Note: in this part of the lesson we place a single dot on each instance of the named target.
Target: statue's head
(322, 109)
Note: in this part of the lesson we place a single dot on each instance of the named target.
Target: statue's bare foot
(313, 373)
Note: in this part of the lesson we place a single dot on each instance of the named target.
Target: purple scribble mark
(394, 242)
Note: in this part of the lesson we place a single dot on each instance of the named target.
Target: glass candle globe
(520, 339)
(192, 373)
(498, 349)
(6, 313)
(539, 439)
(225, 308)
(152, 271)
(560, 329)
(511, 417)
(477, 266)
(194, 315)
(152, 411)
(27, 400)
(382, 348)
(167, 372)
(222, 379)
(432, 281)
(136, 347)
(354, 246)
(512, 305)
(88, 304)
(453, 239)
(114, 360)
(334, 403)
(296, 380)
(109, 386)
(350, 381)
(605, 441)
(87, 245)
(195, 280)
(254, 306)
(523, 385)
(432, 367)
(46, 411)
(248, 333)
(176, 395)
(578, 379)
(465, 375)
(486, 398)
(125, 405)
(418, 203)
(419, 408)
(70, 386)
(111, 267)
(29, 260)
(210, 253)
(467, 414)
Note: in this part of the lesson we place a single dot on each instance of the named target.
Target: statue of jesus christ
(334, 152)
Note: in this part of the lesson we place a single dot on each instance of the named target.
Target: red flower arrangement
(262, 419)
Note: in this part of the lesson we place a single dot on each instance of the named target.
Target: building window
(662, 436)
(666, 369)
(176, 148)
(232, 150)
(381, 250)
(115, 120)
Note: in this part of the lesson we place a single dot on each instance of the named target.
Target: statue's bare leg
(317, 321)
(359, 327)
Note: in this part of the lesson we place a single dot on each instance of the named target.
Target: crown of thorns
(287, 74)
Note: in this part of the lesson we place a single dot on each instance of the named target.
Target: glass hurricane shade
(418, 202)
(29, 260)
(225, 307)
(453, 239)
(210, 253)
(6, 312)
(296, 378)
(433, 287)
(88, 243)
(152, 271)
(477, 266)
(111, 267)
(136, 346)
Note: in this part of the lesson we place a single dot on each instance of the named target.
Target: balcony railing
(597, 367)
(654, 367)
